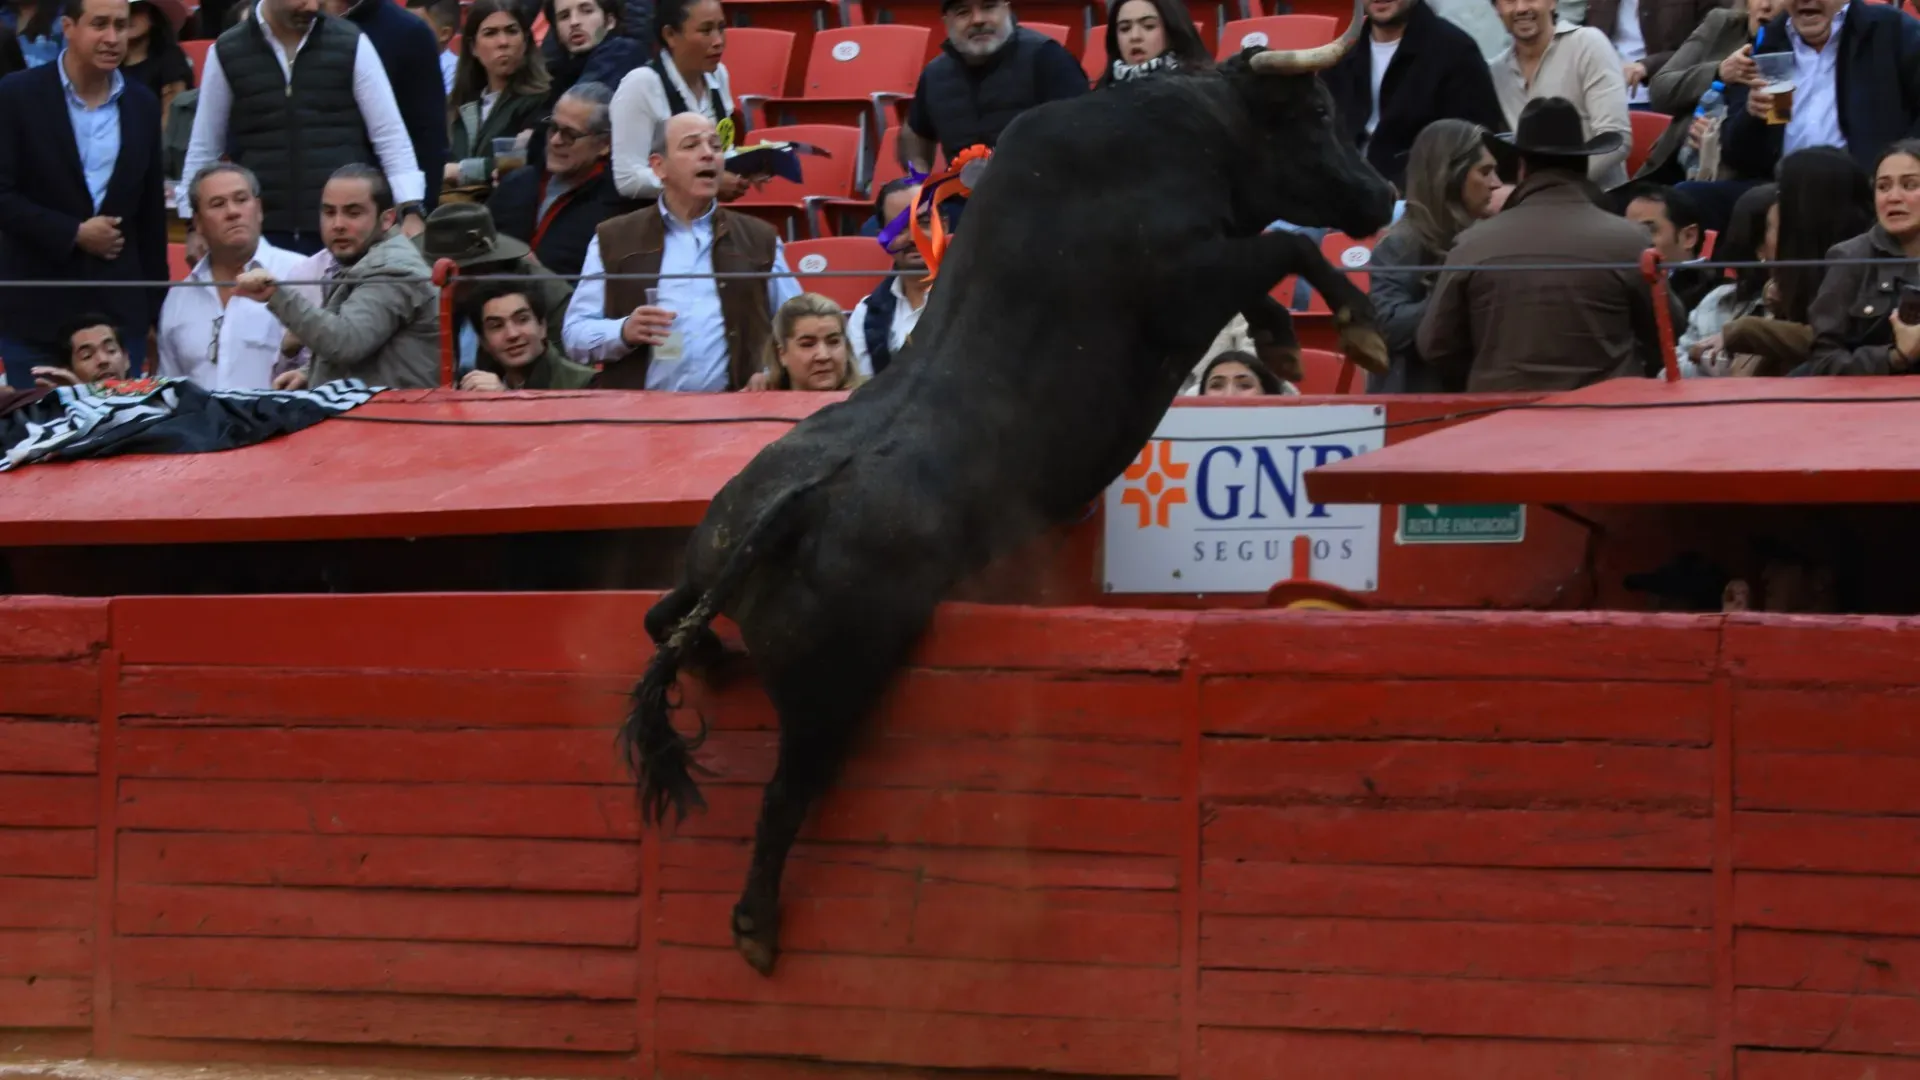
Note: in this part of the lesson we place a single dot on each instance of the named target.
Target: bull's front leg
(1254, 265)
(1274, 340)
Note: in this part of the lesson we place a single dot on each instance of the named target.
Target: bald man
(699, 335)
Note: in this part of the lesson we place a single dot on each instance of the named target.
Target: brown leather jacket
(1543, 330)
(634, 244)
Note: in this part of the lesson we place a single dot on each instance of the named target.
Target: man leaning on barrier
(380, 320)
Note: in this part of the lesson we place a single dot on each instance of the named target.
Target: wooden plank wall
(1231, 846)
(50, 706)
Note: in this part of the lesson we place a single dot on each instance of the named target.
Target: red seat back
(854, 61)
(1057, 31)
(829, 176)
(758, 61)
(809, 259)
(1647, 129)
(197, 55)
(1276, 32)
(1323, 372)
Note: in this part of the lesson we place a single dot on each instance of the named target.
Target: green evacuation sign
(1477, 523)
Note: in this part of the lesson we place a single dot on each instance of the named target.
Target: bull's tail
(660, 757)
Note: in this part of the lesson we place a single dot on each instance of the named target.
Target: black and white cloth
(164, 416)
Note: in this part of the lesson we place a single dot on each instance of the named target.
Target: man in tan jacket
(1557, 59)
(1511, 330)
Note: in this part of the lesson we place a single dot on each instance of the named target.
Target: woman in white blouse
(686, 76)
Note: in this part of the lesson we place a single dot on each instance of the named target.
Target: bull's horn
(1319, 58)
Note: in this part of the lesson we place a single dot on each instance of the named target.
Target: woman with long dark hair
(1749, 238)
(1825, 197)
(154, 56)
(685, 75)
(1150, 37)
(499, 89)
(1451, 182)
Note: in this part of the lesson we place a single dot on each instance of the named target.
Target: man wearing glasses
(219, 340)
(555, 209)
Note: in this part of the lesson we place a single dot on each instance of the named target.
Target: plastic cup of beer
(1780, 105)
(508, 154)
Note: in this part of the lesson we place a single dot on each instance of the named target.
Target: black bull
(1111, 238)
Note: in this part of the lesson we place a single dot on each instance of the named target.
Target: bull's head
(1302, 169)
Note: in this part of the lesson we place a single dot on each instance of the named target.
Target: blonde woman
(810, 350)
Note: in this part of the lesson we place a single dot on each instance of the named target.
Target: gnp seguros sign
(1217, 496)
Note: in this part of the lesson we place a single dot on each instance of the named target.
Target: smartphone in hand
(1909, 310)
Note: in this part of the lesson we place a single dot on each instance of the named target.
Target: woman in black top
(154, 57)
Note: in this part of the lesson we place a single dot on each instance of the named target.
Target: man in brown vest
(694, 333)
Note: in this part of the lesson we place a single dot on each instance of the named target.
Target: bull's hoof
(757, 942)
(1365, 347)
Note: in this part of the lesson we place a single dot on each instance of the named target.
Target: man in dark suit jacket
(80, 192)
(1433, 71)
(1873, 97)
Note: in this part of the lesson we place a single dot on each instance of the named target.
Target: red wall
(392, 830)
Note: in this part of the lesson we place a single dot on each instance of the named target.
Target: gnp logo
(1215, 501)
(1160, 488)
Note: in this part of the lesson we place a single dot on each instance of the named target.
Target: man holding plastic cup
(1825, 73)
(663, 321)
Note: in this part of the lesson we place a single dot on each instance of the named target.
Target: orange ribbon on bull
(936, 190)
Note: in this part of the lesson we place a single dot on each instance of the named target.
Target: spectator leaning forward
(80, 193)
(989, 71)
(516, 350)
(686, 76)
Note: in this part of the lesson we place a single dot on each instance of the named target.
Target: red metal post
(444, 273)
(1656, 277)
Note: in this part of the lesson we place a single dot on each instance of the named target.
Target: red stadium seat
(1707, 241)
(456, 43)
(197, 55)
(801, 18)
(843, 217)
(1093, 58)
(859, 76)
(807, 258)
(1276, 32)
(1324, 372)
(784, 202)
(1349, 254)
(1075, 15)
(757, 64)
(1057, 31)
(177, 265)
(1647, 129)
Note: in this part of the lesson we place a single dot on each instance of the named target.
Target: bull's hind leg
(824, 693)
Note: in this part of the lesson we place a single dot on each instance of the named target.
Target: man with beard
(80, 200)
(880, 323)
(380, 321)
(293, 94)
(1418, 68)
(219, 340)
(988, 72)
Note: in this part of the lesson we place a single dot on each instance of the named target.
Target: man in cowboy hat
(1550, 330)
(465, 233)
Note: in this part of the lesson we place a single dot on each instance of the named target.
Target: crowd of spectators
(343, 146)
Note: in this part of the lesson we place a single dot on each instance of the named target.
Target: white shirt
(1816, 92)
(1382, 56)
(591, 337)
(249, 335)
(638, 106)
(371, 91)
(1631, 44)
(905, 318)
(449, 63)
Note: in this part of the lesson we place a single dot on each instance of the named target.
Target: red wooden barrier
(392, 831)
